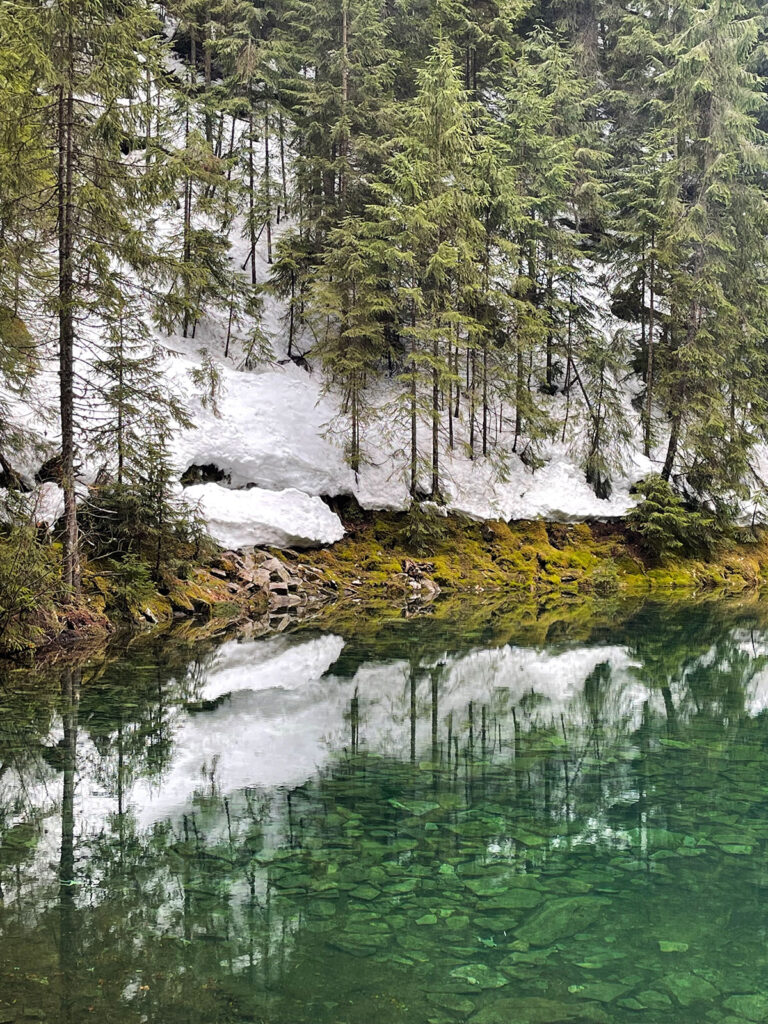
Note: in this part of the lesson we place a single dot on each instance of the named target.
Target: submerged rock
(690, 988)
(561, 918)
(536, 1010)
(479, 976)
(753, 1006)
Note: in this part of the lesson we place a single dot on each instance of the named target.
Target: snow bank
(278, 428)
(259, 518)
(44, 504)
(268, 430)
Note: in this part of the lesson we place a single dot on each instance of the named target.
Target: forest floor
(387, 563)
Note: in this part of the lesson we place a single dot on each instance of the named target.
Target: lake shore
(384, 563)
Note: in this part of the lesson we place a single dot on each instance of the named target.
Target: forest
(491, 224)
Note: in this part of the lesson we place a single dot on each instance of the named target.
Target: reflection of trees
(68, 930)
(240, 907)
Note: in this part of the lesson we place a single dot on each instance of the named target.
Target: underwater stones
(513, 899)
(689, 988)
(401, 888)
(479, 976)
(561, 918)
(451, 1002)
(427, 919)
(504, 892)
(490, 885)
(537, 1010)
(566, 886)
(753, 1006)
(653, 1000)
(456, 922)
(350, 946)
(599, 991)
(630, 1004)
(416, 808)
(365, 892)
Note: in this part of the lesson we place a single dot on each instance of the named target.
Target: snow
(269, 430)
(260, 518)
(44, 504)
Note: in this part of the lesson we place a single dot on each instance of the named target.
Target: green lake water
(438, 823)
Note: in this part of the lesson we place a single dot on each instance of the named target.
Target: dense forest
(510, 218)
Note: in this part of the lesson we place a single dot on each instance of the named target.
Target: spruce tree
(713, 176)
(87, 58)
(434, 213)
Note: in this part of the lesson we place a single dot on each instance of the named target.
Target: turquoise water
(430, 825)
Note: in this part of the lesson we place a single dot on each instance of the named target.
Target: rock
(673, 947)
(277, 601)
(479, 976)
(690, 988)
(277, 570)
(456, 1004)
(753, 1006)
(599, 991)
(427, 919)
(365, 892)
(630, 1004)
(514, 899)
(536, 1010)
(653, 1000)
(561, 918)
(259, 578)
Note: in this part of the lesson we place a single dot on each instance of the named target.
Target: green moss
(225, 610)
(529, 557)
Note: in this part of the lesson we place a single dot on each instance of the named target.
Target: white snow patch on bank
(261, 518)
(268, 428)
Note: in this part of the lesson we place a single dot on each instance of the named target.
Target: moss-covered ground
(499, 573)
(529, 559)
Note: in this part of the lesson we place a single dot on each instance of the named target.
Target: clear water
(437, 824)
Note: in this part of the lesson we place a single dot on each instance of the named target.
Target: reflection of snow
(278, 715)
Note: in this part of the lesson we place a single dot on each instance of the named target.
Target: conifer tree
(87, 57)
(713, 176)
(438, 234)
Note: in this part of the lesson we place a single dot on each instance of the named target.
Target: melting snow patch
(258, 518)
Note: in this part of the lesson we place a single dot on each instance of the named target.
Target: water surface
(434, 824)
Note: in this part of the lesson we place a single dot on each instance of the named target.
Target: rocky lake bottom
(428, 825)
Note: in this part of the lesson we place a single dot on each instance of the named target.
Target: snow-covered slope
(278, 430)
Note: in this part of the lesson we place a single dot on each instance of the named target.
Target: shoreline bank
(384, 563)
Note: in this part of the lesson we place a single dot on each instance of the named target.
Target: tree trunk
(435, 418)
(485, 396)
(520, 383)
(651, 353)
(267, 188)
(283, 173)
(251, 199)
(414, 413)
(674, 441)
(71, 559)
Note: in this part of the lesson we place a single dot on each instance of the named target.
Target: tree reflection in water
(426, 827)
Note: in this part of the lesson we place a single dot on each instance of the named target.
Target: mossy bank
(390, 561)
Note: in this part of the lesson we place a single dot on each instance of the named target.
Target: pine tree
(136, 411)
(438, 234)
(714, 175)
(87, 57)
